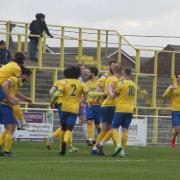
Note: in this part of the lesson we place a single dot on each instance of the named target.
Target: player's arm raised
(169, 91)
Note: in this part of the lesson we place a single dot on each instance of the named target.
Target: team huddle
(103, 103)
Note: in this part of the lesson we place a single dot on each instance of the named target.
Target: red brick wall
(164, 64)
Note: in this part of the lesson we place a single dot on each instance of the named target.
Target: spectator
(5, 55)
(11, 43)
(37, 27)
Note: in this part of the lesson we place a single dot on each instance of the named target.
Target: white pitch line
(88, 162)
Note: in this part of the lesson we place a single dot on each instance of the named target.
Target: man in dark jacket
(37, 27)
(5, 55)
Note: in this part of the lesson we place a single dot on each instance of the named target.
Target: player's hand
(171, 87)
(28, 100)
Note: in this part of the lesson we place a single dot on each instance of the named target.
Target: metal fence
(49, 65)
(162, 130)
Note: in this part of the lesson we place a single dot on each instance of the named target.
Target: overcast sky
(146, 17)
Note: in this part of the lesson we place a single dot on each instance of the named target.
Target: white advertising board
(137, 134)
(40, 131)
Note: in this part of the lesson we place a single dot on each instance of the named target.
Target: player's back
(10, 69)
(125, 100)
(73, 90)
(59, 82)
(112, 80)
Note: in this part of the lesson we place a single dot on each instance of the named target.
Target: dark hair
(19, 58)
(67, 73)
(112, 61)
(2, 42)
(118, 69)
(72, 72)
(25, 71)
(94, 70)
(177, 74)
(128, 71)
(39, 16)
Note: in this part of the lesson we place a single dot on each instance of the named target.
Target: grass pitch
(35, 162)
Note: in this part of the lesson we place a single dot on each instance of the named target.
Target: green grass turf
(35, 162)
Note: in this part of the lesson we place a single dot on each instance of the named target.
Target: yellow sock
(67, 136)
(71, 140)
(8, 142)
(2, 138)
(90, 129)
(108, 136)
(100, 136)
(115, 136)
(57, 133)
(18, 112)
(124, 139)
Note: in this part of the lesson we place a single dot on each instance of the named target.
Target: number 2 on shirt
(73, 90)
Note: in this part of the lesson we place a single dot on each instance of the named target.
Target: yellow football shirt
(125, 100)
(175, 97)
(8, 70)
(15, 83)
(102, 81)
(92, 86)
(72, 92)
(18, 114)
(109, 101)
